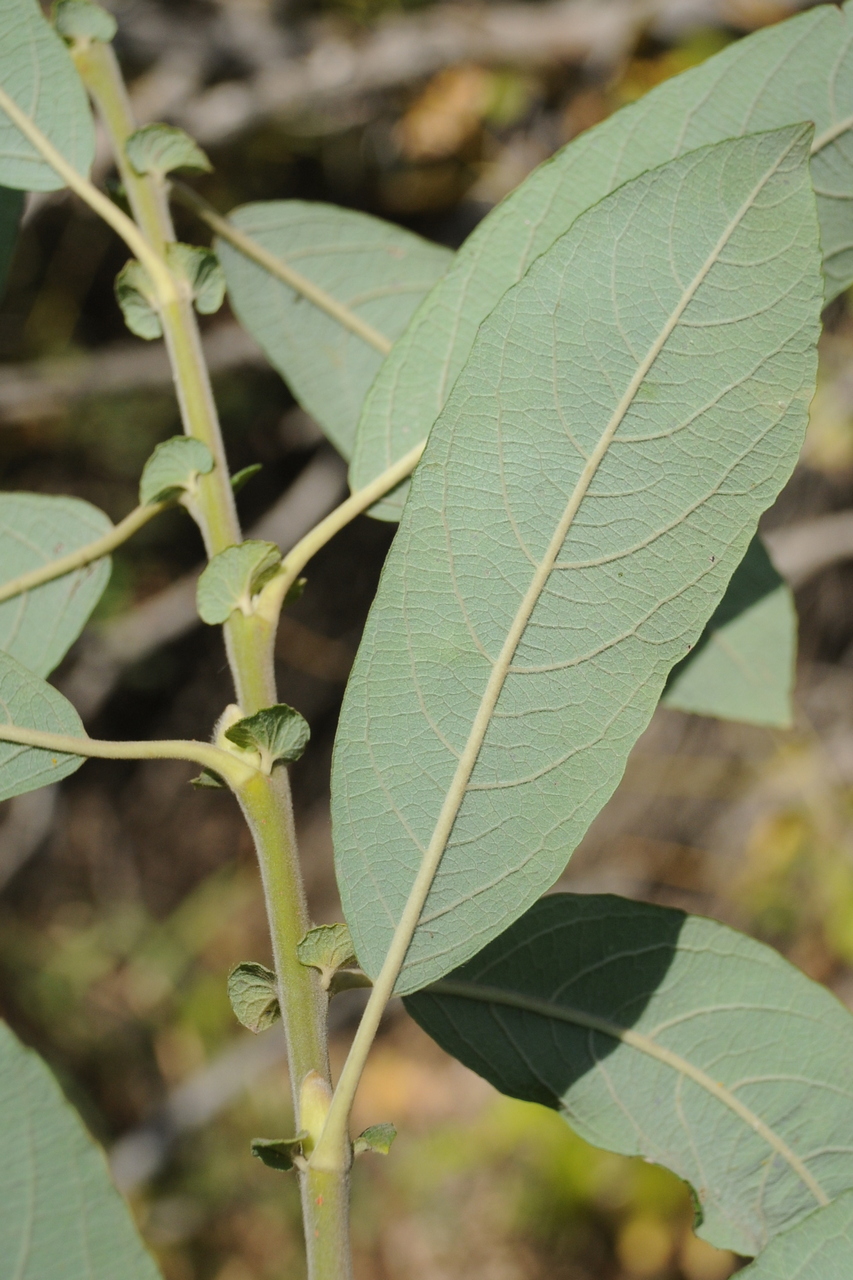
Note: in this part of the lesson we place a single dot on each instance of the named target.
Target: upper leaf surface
(161, 148)
(40, 626)
(31, 703)
(233, 577)
(742, 667)
(627, 412)
(818, 1248)
(37, 72)
(801, 69)
(671, 1037)
(174, 467)
(61, 1218)
(379, 271)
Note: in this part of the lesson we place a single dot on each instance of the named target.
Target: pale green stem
(227, 765)
(83, 555)
(162, 278)
(282, 270)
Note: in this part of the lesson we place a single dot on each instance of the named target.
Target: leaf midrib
(457, 790)
(642, 1044)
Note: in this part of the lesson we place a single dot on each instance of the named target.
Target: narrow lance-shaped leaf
(742, 667)
(818, 1248)
(61, 1218)
(627, 412)
(39, 627)
(801, 69)
(30, 703)
(36, 71)
(378, 271)
(671, 1037)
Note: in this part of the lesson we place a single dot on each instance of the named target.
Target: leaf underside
(627, 412)
(818, 1248)
(39, 627)
(378, 270)
(670, 1037)
(801, 69)
(31, 703)
(60, 1216)
(37, 72)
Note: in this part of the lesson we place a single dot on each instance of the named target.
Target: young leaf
(376, 1138)
(379, 271)
(280, 734)
(173, 468)
(592, 484)
(161, 148)
(253, 996)
(671, 1037)
(39, 627)
(31, 703)
(37, 72)
(83, 20)
(801, 69)
(328, 948)
(279, 1153)
(61, 1218)
(135, 295)
(818, 1248)
(200, 268)
(244, 475)
(742, 667)
(233, 577)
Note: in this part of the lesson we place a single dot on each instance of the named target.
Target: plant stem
(83, 555)
(282, 270)
(224, 763)
(325, 1213)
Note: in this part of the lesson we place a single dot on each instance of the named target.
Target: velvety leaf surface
(61, 1218)
(31, 703)
(37, 72)
(253, 996)
(174, 467)
(818, 1248)
(742, 667)
(39, 627)
(801, 69)
(379, 271)
(671, 1037)
(627, 412)
(161, 148)
(233, 576)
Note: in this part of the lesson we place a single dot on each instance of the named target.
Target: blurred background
(126, 896)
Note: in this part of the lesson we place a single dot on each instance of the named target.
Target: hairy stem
(83, 555)
(224, 763)
(282, 270)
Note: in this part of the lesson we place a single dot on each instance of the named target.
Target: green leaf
(801, 69)
(161, 148)
(279, 1153)
(379, 271)
(200, 268)
(135, 295)
(742, 667)
(37, 72)
(83, 20)
(244, 475)
(253, 995)
(174, 468)
(31, 703)
(328, 948)
(818, 1248)
(627, 412)
(670, 1037)
(279, 733)
(11, 206)
(40, 626)
(376, 1138)
(234, 577)
(61, 1218)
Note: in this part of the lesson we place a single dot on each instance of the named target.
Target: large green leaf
(379, 271)
(60, 1216)
(11, 204)
(39, 627)
(799, 70)
(818, 1248)
(30, 703)
(666, 1036)
(37, 72)
(627, 412)
(742, 668)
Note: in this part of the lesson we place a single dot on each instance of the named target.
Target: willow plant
(598, 396)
